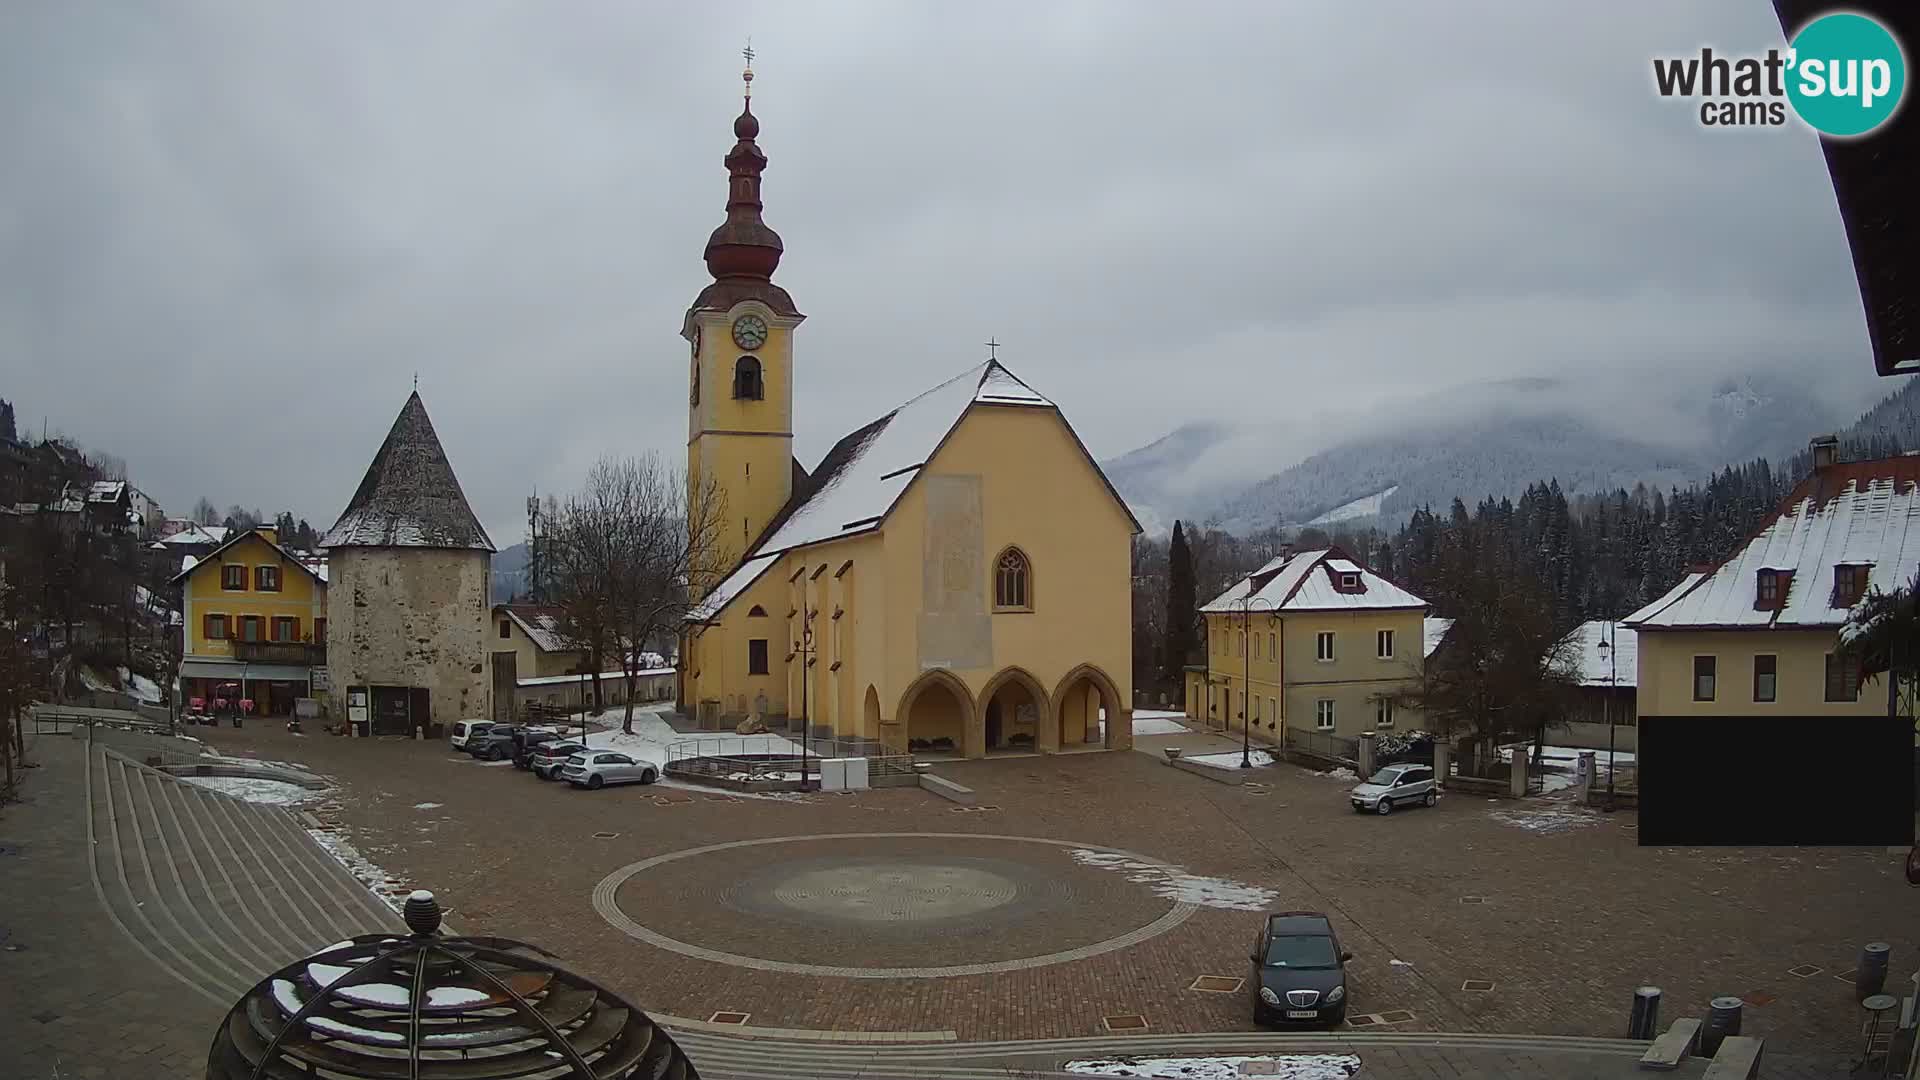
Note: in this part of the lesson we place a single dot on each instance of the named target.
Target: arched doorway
(870, 715)
(1089, 711)
(934, 713)
(1014, 714)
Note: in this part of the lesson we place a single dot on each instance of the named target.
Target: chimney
(1824, 448)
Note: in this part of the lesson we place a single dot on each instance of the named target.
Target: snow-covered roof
(541, 624)
(858, 481)
(187, 564)
(1303, 581)
(1435, 632)
(1862, 513)
(409, 496)
(197, 534)
(1592, 665)
(106, 491)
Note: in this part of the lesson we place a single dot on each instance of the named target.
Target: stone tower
(740, 329)
(408, 569)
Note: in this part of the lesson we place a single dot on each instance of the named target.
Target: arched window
(756, 612)
(1012, 582)
(746, 379)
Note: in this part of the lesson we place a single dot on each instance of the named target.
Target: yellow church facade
(953, 577)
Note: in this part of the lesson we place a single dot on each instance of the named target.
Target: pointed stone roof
(409, 497)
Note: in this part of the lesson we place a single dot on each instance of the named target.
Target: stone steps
(218, 891)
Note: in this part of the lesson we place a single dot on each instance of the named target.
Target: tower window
(747, 383)
(1012, 582)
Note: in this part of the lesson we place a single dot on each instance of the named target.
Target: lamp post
(803, 650)
(1246, 674)
(1608, 651)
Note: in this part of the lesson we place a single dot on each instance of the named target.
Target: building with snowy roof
(408, 567)
(953, 576)
(1311, 642)
(1755, 632)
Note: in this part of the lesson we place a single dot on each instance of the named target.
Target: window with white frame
(1323, 714)
(1383, 644)
(1383, 713)
(1323, 645)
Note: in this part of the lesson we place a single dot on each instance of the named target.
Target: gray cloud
(230, 234)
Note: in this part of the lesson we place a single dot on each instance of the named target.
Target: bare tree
(204, 512)
(623, 550)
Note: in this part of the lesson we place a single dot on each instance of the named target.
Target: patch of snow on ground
(252, 789)
(1174, 883)
(391, 890)
(1341, 773)
(1365, 506)
(1545, 819)
(427, 806)
(655, 741)
(1282, 1066)
(1158, 722)
(1231, 760)
(142, 688)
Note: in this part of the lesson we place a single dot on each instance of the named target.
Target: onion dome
(743, 246)
(427, 1007)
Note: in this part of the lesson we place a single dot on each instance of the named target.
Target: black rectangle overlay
(1761, 781)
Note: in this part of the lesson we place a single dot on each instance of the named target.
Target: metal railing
(57, 719)
(1324, 745)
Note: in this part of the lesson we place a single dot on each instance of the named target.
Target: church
(954, 577)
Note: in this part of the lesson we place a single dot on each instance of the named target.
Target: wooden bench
(1670, 1049)
(1737, 1059)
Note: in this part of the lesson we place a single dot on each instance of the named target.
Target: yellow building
(1754, 635)
(1311, 642)
(952, 577)
(255, 623)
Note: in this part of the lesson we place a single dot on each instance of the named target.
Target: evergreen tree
(1182, 609)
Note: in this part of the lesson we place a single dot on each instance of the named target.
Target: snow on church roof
(854, 486)
(1862, 513)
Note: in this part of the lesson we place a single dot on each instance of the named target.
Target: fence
(1492, 773)
(58, 719)
(1323, 746)
(761, 760)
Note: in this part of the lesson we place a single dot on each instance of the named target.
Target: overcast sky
(231, 233)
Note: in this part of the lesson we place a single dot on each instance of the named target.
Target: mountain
(509, 572)
(1482, 439)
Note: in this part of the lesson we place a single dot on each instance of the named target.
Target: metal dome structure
(427, 1007)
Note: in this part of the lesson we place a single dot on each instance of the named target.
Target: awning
(234, 670)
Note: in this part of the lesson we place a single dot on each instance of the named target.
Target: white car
(467, 730)
(1396, 785)
(598, 768)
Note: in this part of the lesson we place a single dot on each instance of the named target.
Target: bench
(1673, 1047)
(1737, 1059)
(947, 789)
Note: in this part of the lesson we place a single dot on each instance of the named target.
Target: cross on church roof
(993, 349)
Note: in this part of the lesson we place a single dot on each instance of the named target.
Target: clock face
(749, 331)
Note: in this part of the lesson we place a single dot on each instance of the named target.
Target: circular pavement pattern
(929, 888)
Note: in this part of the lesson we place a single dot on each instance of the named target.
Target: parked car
(466, 731)
(526, 740)
(549, 756)
(1396, 785)
(494, 744)
(598, 768)
(1299, 971)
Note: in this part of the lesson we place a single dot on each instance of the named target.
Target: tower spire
(744, 248)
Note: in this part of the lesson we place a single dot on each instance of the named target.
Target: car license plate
(1302, 1014)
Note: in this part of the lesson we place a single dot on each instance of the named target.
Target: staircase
(218, 891)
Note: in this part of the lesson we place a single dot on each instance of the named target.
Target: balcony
(297, 653)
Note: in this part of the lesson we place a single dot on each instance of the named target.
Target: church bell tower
(740, 333)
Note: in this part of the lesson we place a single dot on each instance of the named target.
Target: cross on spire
(747, 75)
(993, 349)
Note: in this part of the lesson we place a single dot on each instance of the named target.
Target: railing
(61, 718)
(297, 653)
(1323, 745)
(753, 759)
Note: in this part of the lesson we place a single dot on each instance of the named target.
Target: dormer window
(1350, 581)
(1770, 589)
(1849, 583)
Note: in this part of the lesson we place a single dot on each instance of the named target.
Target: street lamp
(804, 650)
(1246, 674)
(1611, 655)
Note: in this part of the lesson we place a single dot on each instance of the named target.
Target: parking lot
(1472, 915)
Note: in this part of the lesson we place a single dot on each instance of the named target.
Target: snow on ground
(1157, 722)
(1566, 757)
(142, 688)
(654, 739)
(1341, 773)
(1365, 506)
(1282, 1066)
(391, 890)
(253, 789)
(1231, 759)
(1174, 883)
(427, 806)
(1546, 819)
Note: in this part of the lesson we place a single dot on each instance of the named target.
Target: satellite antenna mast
(533, 548)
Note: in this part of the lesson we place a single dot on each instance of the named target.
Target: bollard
(1723, 1019)
(1871, 976)
(1644, 1021)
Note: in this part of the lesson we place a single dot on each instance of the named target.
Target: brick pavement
(1572, 920)
(76, 1000)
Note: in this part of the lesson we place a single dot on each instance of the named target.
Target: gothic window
(1012, 582)
(746, 379)
(756, 612)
